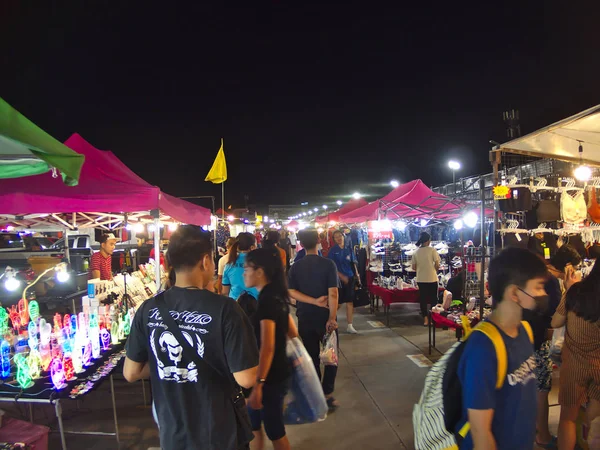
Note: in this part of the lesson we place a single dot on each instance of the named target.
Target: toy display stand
(43, 392)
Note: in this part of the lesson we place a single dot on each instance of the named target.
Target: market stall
(26, 150)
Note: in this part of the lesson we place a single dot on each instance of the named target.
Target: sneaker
(351, 329)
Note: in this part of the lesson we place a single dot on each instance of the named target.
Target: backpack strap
(494, 335)
(527, 327)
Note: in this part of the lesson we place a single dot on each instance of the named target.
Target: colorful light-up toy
(33, 341)
(57, 373)
(57, 322)
(105, 338)
(94, 333)
(45, 351)
(23, 373)
(5, 358)
(67, 325)
(23, 309)
(68, 367)
(86, 358)
(35, 362)
(34, 310)
(73, 325)
(15, 318)
(3, 321)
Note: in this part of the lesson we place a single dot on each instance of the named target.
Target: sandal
(332, 404)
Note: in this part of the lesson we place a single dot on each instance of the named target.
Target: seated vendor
(101, 264)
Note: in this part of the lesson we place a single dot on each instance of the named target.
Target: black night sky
(314, 101)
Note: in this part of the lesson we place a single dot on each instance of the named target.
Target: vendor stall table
(389, 296)
(42, 392)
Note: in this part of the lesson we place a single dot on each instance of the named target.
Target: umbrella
(26, 149)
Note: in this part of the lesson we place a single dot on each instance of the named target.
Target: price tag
(518, 236)
(546, 253)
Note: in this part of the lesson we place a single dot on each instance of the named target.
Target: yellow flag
(218, 171)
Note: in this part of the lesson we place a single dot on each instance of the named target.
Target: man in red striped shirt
(100, 266)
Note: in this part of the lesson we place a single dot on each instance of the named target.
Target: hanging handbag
(243, 426)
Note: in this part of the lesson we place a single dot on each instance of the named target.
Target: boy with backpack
(482, 393)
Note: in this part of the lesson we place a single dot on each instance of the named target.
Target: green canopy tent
(26, 149)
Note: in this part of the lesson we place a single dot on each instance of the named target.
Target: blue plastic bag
(305, 401)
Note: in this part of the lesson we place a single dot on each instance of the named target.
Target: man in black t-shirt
(193, 404)
(313, 282)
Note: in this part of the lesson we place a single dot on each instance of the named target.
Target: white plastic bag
(305, 401)
(329, 353)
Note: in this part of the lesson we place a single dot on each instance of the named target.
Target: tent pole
(157, 252)
(483, 248)
(67, 249)
(223, 200)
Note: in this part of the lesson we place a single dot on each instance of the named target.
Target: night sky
(314, 102)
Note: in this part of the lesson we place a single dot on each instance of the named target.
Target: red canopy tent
(335, 216)
(107, 188)
(410, 200)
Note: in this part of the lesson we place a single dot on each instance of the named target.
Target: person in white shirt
(222, 263)
(426, 262)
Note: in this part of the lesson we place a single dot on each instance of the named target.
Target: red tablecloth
(410, 295)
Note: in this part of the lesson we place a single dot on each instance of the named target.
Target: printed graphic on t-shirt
(170, 359)
(523, 374)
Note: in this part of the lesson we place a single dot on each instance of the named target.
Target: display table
(43, 392)
(389, 296)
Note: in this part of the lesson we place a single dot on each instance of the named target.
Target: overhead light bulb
(470, 219)
(12, 284)
(401, 225)
(151, 228)
(128, 227)
(458, 224)
(316, 209)
(424, 222)
(583, 173)
(356, 195)
(62, 276)
(339, 203)
(394, 184)
(324, 206)
(139, 227)
(230, 218)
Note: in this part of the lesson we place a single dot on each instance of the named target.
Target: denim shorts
(271, 415)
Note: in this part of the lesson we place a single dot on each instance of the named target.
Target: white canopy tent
(561, 140)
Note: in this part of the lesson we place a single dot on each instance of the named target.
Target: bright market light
(11, 283)
(266, 218)
(454, 165)
(424, 222)
(320, 230)
(316, 209)
(401, 225)
(62, 275)
(356, 195)
(173, 226)
(272, 221)
(138, 227)
(458, 224)
(583, 173)
(128, 227)
(470, 219)
(394, 183)
(230, 218)
(325, 207)
(339, 203)
(10, 228)
(304, 214)
(151, 228)
(333, 223)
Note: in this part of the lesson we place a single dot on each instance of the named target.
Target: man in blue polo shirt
(345, 261)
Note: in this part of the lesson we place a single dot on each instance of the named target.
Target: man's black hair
(309, 238)
(187, 246)
(565, 255)
(513, 266)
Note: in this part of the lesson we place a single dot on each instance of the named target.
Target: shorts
(271, 415)
(346, 292)
(579, 382)
(543, 368)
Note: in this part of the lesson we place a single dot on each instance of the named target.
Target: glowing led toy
(15, 318)
(55, 347)
(34, 310)
(23, 375)
(73, 325)
(57, 322)
(121, 332)
(3, 321)
(126, 325)
(67, 325)
(86, 358)
(23, 309)
(45, 350)
(34, 361)
(82, 323)
(105, 338)
(33, 341)
(57, 373)
(94, 333)
(68, 367)
(5, 357)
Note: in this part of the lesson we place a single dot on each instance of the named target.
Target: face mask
(541, 302)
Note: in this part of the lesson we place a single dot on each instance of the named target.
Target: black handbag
(361, 298)
(244, 427)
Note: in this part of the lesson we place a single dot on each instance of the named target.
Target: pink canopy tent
(106, 185)
(411, 200)
(336, 216)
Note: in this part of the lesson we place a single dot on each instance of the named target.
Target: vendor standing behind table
(426, 262)
(101, 263)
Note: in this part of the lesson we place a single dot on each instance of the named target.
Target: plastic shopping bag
(305, 401)
(329, 353)
(558, 340)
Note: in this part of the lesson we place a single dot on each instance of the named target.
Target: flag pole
(223, 201)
